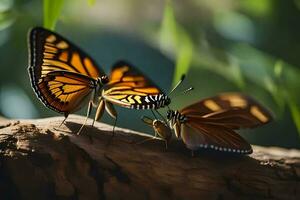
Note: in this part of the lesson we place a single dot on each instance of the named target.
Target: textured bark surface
(39, 162)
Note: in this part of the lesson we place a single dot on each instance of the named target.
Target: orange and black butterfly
(64, 77)
(211, 123)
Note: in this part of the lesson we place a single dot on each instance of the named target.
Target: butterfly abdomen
(151, 102)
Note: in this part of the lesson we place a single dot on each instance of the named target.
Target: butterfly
(211, 123)
(64, 78)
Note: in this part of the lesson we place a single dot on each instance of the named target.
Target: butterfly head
(103, 80)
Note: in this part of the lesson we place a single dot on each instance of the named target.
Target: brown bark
(38, 162)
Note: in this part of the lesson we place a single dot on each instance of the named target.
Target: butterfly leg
(176, 128)
(115, 123)
(113, 113)
(145, 140)
(66, 116)
(93, 123)
(152, 138)
(165, 140)
(99, 111)
(87, 116)
(113, 132)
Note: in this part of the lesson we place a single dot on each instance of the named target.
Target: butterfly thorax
(101, 81)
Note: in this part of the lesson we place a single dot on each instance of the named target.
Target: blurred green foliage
(174, 40)
(257, 68)
(250, 46)
(91, 2)
(7, 15)
(52, 10)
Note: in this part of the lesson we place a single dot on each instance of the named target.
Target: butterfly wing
(64, 91)
(210, 123)
(233, 110)
(128, 87)
(53, 60)
(50, 52)
(197, 135)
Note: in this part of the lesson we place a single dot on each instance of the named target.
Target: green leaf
(184, 56)
(174, 40)
(91, 2)
(258, 8)
(278, 68)
(168, 31)
(277, 77)
(6, 20)
(52, 10)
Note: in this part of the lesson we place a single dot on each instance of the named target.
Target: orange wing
(232, 110)
(128, 87)
(64, 91)
(50, 52)
(61, 74)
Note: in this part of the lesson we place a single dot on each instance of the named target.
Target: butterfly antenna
(187, 90)
(184, 92)
(178, 83)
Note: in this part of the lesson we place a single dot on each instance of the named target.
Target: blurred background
(249, 46)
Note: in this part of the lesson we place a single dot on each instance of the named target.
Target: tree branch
(39, 162)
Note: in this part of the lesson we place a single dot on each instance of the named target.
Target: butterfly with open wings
(64, 77)
(211, 123)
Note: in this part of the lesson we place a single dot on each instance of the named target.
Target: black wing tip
(121, 63)
(33, 32)
(34, 29)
